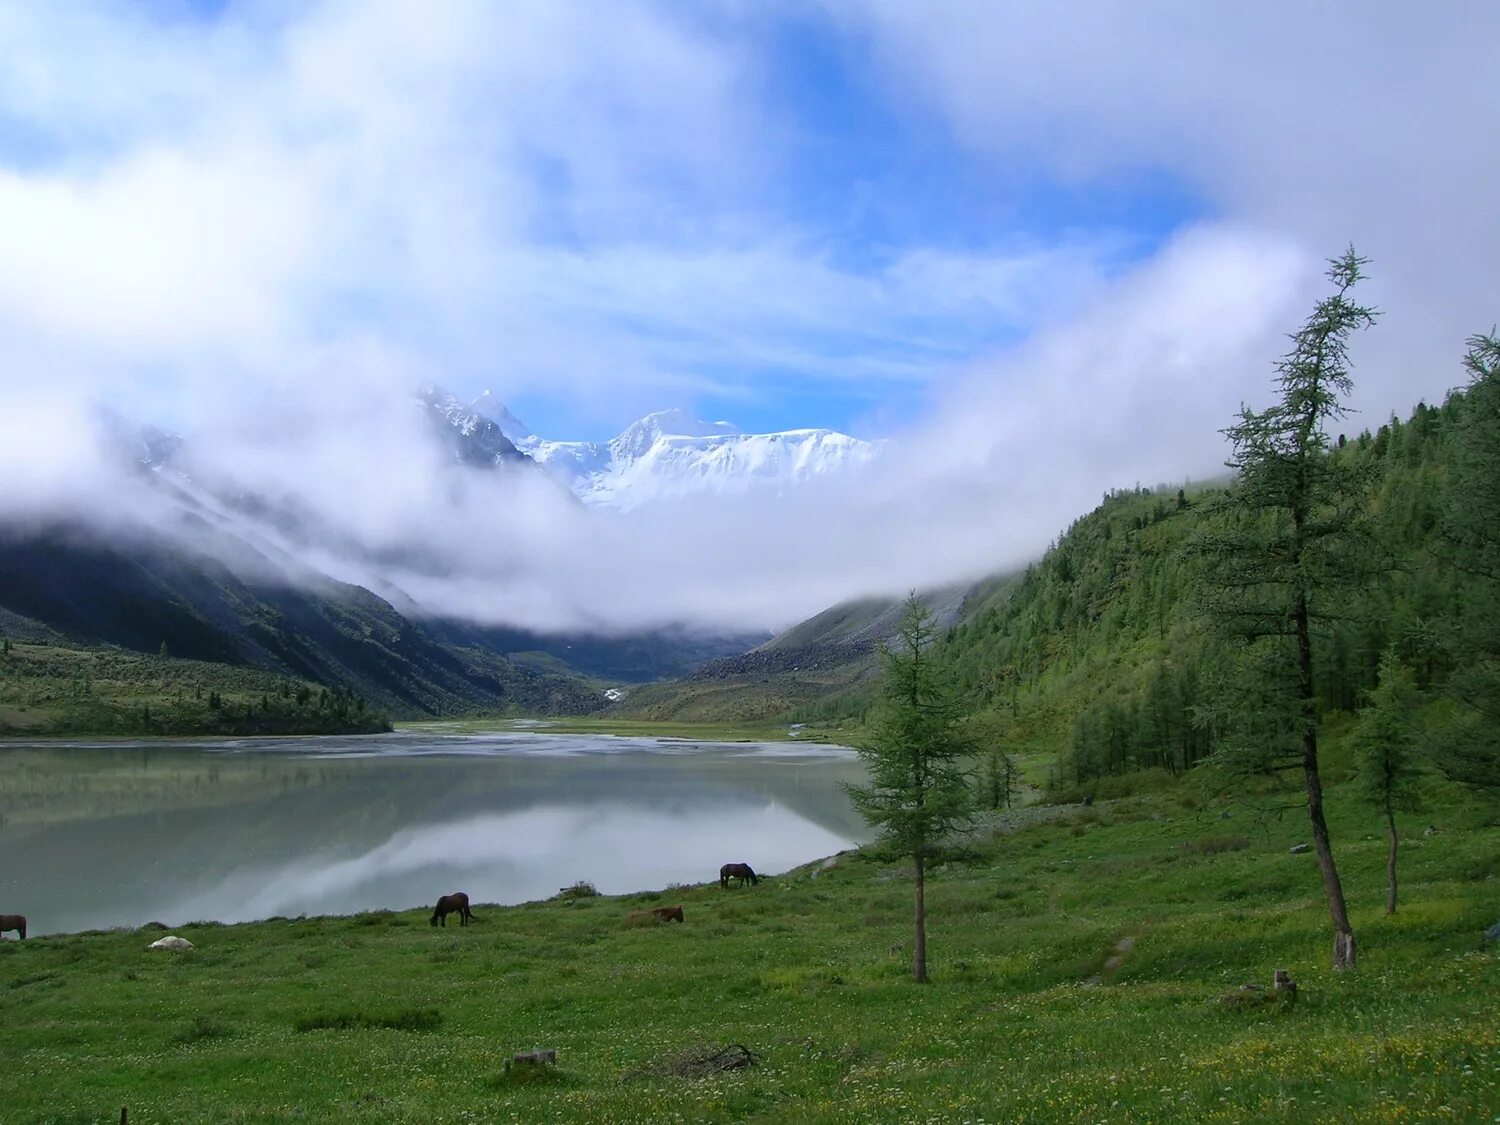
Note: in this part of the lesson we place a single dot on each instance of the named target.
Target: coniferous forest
(1102, 651)
(1102, 658)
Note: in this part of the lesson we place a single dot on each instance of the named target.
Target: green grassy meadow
(1086, 966)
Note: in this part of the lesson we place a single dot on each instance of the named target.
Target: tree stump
(1286, 986)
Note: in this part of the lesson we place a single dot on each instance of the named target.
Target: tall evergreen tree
(1470, 750)
(918, 792)
(1285, 554)
(1385, 746)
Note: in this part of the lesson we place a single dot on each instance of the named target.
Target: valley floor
(1087, 965)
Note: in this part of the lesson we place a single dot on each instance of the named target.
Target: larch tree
(918, 792)
(1385, 751)
(1469, 751)
(1285, 552)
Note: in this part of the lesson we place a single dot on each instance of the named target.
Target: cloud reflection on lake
(232, 831)
(516, 857)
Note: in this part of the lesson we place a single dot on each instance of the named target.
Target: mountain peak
(637, 438)
(669, 454)
(473, 438)
(487, 405)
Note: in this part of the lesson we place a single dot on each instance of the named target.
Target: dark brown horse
(655, 915)
(740, 871)
(456, 903)
(15, 922)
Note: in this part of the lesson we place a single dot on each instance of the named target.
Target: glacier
(671, 455)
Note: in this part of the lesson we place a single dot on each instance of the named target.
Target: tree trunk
(1390, 858)
(919, 947)
(1343, 934)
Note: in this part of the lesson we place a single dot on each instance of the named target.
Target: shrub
(202, 1027)
(581, 889)
(407, 1019)
(1213, 845)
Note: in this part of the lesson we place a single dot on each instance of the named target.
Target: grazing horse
(740, 871)
(654, 915)
(456, 903)
(15, 922)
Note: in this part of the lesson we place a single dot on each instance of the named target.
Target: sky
(1043, 255)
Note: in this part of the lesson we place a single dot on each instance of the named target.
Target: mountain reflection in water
(93, 837)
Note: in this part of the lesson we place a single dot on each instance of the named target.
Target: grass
(380, 1017)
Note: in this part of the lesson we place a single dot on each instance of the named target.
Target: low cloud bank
(352, 481)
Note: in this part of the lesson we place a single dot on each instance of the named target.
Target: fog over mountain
(381, 498)
(1026, 263)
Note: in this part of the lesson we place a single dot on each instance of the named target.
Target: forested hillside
(1099, 652)
(1097, 656)
(82, 594)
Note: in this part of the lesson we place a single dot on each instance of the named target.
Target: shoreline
(725, 732)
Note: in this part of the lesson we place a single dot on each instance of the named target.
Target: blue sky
(803, 158)
(863, 179)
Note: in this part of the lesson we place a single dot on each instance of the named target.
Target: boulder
(1300, 849)
(171, 941)
(1493, 933)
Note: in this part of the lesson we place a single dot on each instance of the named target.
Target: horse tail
(435, 913)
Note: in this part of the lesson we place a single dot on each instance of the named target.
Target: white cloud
(1328, 124)
(1133, 387)
(269, 226)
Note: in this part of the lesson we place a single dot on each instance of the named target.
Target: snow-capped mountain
(670, 454)
(474, 437)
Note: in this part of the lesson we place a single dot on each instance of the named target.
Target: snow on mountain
(670, 454)
(474, 437)
(488, 406)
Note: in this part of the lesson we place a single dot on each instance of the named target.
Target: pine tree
(918, 792)
(1285, 557)
(1469, 752)
(1385, 744)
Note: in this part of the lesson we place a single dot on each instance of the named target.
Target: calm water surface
(93, 836)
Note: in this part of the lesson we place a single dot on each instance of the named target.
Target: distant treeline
(48, 690)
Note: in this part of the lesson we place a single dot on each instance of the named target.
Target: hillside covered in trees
(1100, 653)
(1098, 656)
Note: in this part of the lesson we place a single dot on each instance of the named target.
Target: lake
(95, 835)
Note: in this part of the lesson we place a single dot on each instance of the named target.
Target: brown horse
(456, 903)
(654, 915)
(740, 871)
(15, 922)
